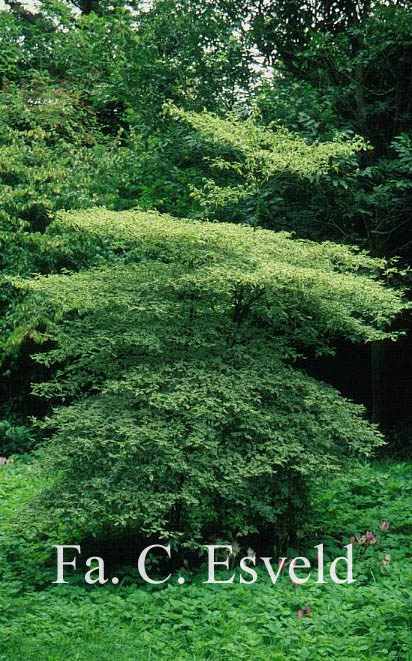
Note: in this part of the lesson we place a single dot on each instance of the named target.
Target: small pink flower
(385, 525)
(352, 539)
(300, 613)
(308, 610)
(370, 537)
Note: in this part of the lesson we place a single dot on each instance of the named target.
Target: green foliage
(252, 164)
(45, 136)
(132, 63)
(175, 351)
(9, 56)
(196, 55)
(357, 52)
(369, 620)
(15, 438)
(346, 66)
(53, 155)
(299, 106)
(50, 150)
(23, 558)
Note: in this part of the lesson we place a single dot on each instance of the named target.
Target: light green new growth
(259, 154)
(174, 350)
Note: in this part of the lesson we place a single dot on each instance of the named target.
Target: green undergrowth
(368, 620)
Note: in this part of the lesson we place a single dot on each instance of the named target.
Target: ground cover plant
(369, 620)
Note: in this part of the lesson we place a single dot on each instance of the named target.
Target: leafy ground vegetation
(205, 250)
(370, 620)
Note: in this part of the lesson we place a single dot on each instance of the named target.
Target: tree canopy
(173, 352)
